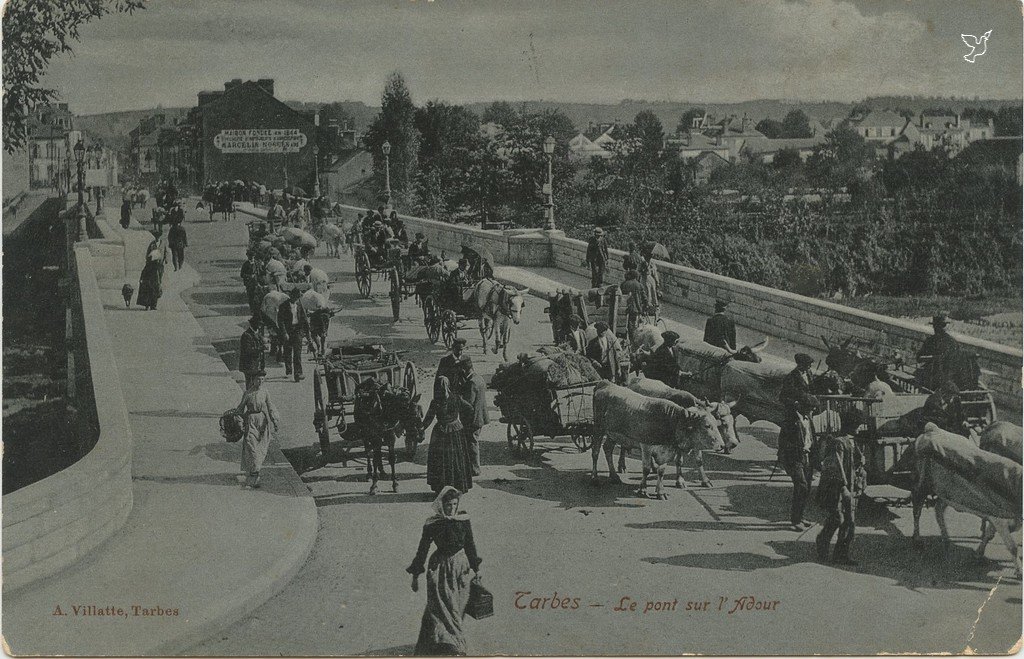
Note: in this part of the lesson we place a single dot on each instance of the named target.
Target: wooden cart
(573, 416)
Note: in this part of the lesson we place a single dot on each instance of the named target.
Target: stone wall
(802, 319)
(57, 521)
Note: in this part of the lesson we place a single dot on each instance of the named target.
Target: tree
(686, 120)
(34, 31)
(796, 124)
(770, 128)
(501, 113)
(449, 134)
(843, 157)
(395, 124)
(787, 160)
(1008, 120)
(646, 129)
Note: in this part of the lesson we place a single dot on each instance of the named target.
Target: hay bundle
(526, 387)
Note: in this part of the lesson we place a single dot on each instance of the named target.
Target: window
(892, 132)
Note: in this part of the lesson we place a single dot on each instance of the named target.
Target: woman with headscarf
(258, 413)
(448, 576)
(446, 456)
(151, 279)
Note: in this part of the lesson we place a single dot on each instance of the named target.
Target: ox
(334, 236)
(661, 428)
(1005, 439)
(721, 411)
(272, 302)
(971, 480)
(500, 306)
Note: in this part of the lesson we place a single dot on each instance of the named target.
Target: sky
(599, 51)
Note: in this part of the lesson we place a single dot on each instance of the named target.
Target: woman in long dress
(258, 413)
(448, 576)
(651, 283)
(151, 280)
(446, 455)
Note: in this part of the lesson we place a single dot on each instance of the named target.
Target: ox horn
(524, 291)
(760, 346)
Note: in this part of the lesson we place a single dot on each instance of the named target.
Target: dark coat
(720, 331)
(177, 237)
(250, 352)
(577, 341)
(606, 360)
(797, 401)
(419, 250)
(597, 251)
(631, 262)
(637, 295)
(449, 368)
(474, 393)
(663, 366)
(938, 345)
(285, 320)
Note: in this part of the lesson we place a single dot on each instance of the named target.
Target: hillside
(113, 127)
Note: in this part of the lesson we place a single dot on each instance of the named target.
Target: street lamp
(316, 155)
(549, 216)
(386, 148)
(80, 160)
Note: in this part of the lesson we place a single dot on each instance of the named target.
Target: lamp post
(80, 160)
(316, 155)
(386, 149)
(549, 205)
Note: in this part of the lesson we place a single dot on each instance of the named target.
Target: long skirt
(446, 461)
(256, 442)
(441, 631)
(150, 284)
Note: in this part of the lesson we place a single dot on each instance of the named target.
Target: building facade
(48, 128)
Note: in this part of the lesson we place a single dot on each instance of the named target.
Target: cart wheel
(320, 414)
(431, 319)
(581, 441)
(520, 431)
(396, 294)
(363, 274)
(449, 327)
(409, 381)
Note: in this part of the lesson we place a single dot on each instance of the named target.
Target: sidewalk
(196, 544)
(687, 323)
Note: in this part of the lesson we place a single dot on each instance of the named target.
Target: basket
(231, 426)
(481, 602)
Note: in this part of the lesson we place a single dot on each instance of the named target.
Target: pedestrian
(449, 364)
(151, 281)
(843, 478)
(251, 353)
(176, 215)
(663, 364)
(597, 257)
(275, 214)
(158, 218)
(250, 278)
(291, 318)
(126, 212)
(940, 343)
(636, 303)
(632, 260)
(796, 436)
(651, 282)
(177, 240)
(447, 462)
(720, 330)
(258, 413)
(448, 576)
(474, 394)
(577, 335)
(419, 249)
(601, 352)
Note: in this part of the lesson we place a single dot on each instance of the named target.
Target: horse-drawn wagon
(447, 305)
(380, 263)
(339, 373)
(547, 394)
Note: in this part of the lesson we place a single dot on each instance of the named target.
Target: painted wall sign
(260, 140)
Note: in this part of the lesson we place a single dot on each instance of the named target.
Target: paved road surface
(542, 528)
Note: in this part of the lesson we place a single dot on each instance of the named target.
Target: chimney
(267, 84)
(231, 84)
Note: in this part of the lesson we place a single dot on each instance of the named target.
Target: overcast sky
(569, 50)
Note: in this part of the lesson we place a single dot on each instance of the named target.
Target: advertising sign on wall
(260, 140)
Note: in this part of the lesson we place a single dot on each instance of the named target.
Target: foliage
(796, 124)
(770, 128)
(449, 135)
(395, 124)
(34, 31)
(501, 113)
(686, 119)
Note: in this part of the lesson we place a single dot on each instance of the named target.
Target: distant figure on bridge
(940, 343)
(275, 216)
(649, 278)
(597, 257)
(126, 212)
(251, 353)
(294, 326)
(158, 217)
(251, 279)
(637, 301)
(419, 248)
(633, 260)
(176, 214)
(151, 281)
(796, 436)
(720, 330)
(177, 240)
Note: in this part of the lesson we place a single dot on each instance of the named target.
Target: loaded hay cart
(345, 365)
(549, 394)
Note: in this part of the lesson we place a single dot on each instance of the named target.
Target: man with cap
(796, 435)
(637, 302)
(251, 357)
(603, 353)
(419, 249)
(461, 278)
(597, 257)
(663, 365)
(449, 364)
(474, 416)
(843, 478)
(720, 330)
(291, 318)
(577, 335)
(940, 343)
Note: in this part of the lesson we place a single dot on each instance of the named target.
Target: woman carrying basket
(449, 575)
(258, 413)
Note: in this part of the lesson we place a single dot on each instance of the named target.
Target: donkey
(382, 413)
(500, 306)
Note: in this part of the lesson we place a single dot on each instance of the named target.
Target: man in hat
(251, 357)
(461, 278)
(275, 216)
(842, 480)
(474, 394)
(449, 364)
(663, 365)
(419, 249)
(177, 213)
(177, 240)
(577, 335)
(796, 435)
(637, 301)
(602, 352)
(940, 343)
(597, 257)
(294, 325)
(720, 330)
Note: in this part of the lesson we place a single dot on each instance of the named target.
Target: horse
(500, 306)
(382, 413)
(272, 301)
(334, 236)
